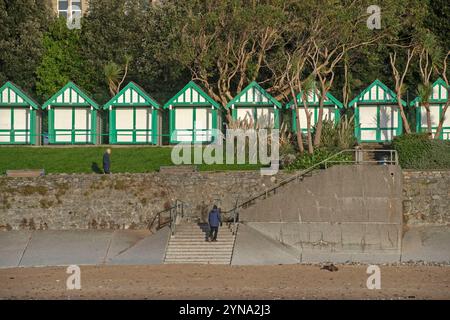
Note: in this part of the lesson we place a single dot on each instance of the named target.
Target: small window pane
(63, 5)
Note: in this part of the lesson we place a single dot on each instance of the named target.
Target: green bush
(338, 136)
(418, 151)
(308, 160)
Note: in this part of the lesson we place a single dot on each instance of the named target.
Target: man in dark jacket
(107, 161)
(215, 221)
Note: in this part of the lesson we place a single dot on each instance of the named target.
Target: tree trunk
(299, 131)
(403, 115)
(318, 133)
(427, 109)
(310, 142)
(442, 119)
(308, 128)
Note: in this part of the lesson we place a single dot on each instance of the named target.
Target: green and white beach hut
(193, 115)
(134, 117)
(437, 102)
(72, 117)
(19, 116)
(377, 116)
(331, 109)
(256, 105)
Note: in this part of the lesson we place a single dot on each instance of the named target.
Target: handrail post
(159, 221)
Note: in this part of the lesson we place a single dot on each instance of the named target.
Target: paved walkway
(56, 248)
(126, 247)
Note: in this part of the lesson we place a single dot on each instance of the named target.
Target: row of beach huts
(136, 118)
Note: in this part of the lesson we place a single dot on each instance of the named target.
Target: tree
(111, 30)
(442, 69)
(115, 75)
(399, 78)
(429, 53)
(23, 24)
(339, 28)
(226, 44)
(61, 61)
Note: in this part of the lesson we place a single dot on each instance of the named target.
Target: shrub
(418, 151)
(308, 160)
(338, 136)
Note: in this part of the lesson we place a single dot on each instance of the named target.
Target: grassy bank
(89, 160)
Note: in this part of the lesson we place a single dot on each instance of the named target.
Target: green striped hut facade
(437, 102)
(134, 117)
(19, 116)
(194, 116)
(377, 115)
(254, 104)
(331, 109)
(72, 117)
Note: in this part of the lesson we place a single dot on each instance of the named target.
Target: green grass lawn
(89, 160)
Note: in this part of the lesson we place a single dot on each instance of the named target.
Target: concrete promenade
(126, 247)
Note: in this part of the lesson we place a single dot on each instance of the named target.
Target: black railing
(169, 217)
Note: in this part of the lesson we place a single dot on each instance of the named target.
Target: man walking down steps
(214, 221)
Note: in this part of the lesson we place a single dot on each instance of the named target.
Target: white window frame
(70, 10)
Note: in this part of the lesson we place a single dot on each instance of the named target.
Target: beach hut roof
(439, 94)
(132, 95)
(252, 95)
(13, 95)
(70, 95)
(377, 92)
(191, 95)
(313, 100)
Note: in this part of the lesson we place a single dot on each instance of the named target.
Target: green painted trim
(114, 133)
(276, 115)
(155, 126)
(32, 137)
(254, 84)
(398, 130)
(420, 128)
(332, 101)
(149, 101)
(73, 86)
(173, 130)
(360, 98)
(29, 133)
(13, 137)
(73, 132)
(193, 86)
(28, 102)
(315, 114)
(439, 82)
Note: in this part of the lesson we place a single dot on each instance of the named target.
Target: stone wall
(426, 197)
(131, 200)
(119, 201)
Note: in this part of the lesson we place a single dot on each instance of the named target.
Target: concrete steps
(189, 245)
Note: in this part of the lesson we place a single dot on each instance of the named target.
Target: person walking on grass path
(214, 221)
(107, 161)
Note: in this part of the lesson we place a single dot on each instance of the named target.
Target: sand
(226, 282)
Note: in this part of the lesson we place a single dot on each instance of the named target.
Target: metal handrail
(174, 211)
(235, 216)
(301, 174)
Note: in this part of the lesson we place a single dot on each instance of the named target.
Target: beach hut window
(63, 6)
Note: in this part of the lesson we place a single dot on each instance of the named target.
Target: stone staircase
(372, 152)
(189, 245)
